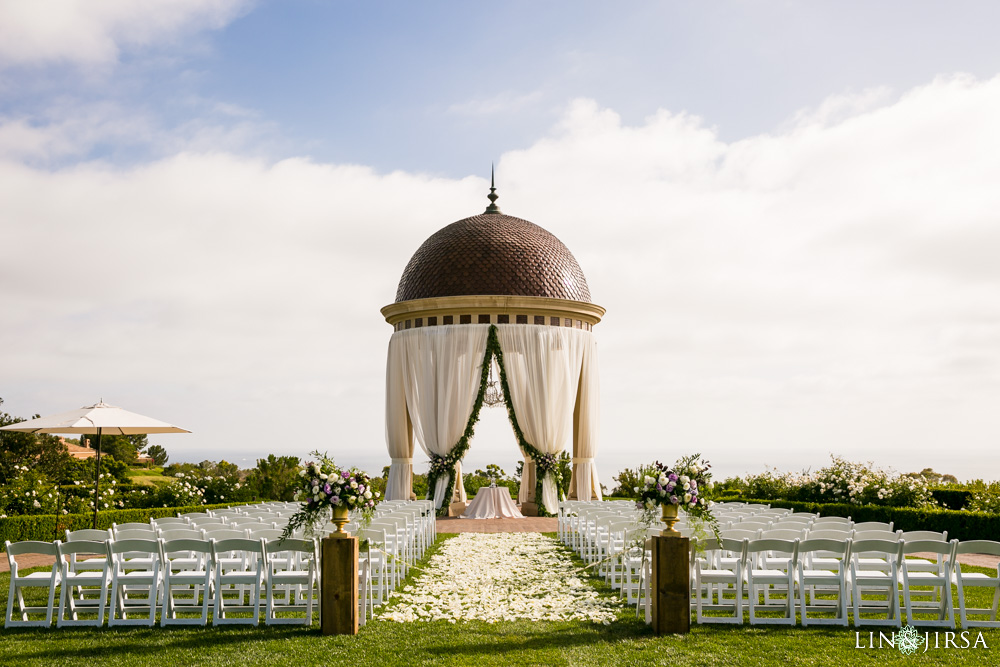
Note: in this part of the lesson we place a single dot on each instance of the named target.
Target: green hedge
(83, 491)
(952, 499)
(963, 525)
(48, 527)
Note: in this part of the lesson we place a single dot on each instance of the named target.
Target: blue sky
(787, 208)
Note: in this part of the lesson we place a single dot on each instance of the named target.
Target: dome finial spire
(492, 196)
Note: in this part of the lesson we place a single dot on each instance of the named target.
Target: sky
(789, 210)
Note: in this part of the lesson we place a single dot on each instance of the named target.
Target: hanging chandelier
(493, 396)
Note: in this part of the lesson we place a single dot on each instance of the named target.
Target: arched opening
(436, 381)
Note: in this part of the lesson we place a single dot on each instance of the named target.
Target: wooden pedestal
(529, 509)
(671, 585)
(339, 586)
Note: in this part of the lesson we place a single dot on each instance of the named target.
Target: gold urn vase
(340, 519)
(669, 518)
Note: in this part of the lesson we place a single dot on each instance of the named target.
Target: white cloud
(93, 32)
(825, 288)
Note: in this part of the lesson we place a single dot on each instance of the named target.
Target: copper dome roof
(493, 254)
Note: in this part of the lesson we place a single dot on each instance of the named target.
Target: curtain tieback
(583, 460)
(401, 460)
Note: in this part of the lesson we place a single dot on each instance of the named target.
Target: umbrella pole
(97, 477)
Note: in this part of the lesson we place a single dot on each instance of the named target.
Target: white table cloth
(492, 503)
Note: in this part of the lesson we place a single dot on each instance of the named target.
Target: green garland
(493, 345)
(445, 465)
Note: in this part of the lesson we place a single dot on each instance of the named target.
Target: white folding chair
(89, 582)
(362, 591)
(187, 578)
(873, 525)
(878, 582)
(144, 527)
(814, 581)
(135, 567)
(264, 532)
(912, 578)
(709, 580)
(771, 566)
(90, 535)
(297, 574)
(872, 561)
(965, 580)
(242, 584)
(18, 582)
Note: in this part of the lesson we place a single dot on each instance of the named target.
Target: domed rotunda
(481, 279)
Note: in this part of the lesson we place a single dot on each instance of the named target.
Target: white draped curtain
(586, 482)
(398, 431)
(433, 375)
(441, 369)
(543, 367)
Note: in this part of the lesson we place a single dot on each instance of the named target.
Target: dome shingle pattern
(493, 254)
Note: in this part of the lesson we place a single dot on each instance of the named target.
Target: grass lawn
(150, 477)
(626, 641)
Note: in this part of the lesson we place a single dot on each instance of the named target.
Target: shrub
(47, 527)
(842, 481)
(962, 525)
(274, 478)
(420, 485)
(28, 493)
(628, 481)
(480, 478)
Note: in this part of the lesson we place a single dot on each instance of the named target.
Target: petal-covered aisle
(501, 577)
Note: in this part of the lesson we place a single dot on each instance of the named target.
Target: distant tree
(493, 471)
(42, 452)
(274, 478)
(124, 448)
(932, 478)
(628, 479)
(82, 471)
(172, 469)
(158, 454)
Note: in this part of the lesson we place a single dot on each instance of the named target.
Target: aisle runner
(500, 577)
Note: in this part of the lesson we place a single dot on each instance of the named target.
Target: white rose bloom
(354, 484)
(662, 479)
(323, 475)
(709, 485)
(684, 479)
(649, 481)
(687, 497)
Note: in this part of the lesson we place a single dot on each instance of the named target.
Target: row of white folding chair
(757, 570)
(240, 565)
(570, 511)
(586, 527)
(396, 537)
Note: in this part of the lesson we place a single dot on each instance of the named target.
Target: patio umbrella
(95, 420)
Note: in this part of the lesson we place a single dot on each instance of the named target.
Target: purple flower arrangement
(685, 485)
(324, 486)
